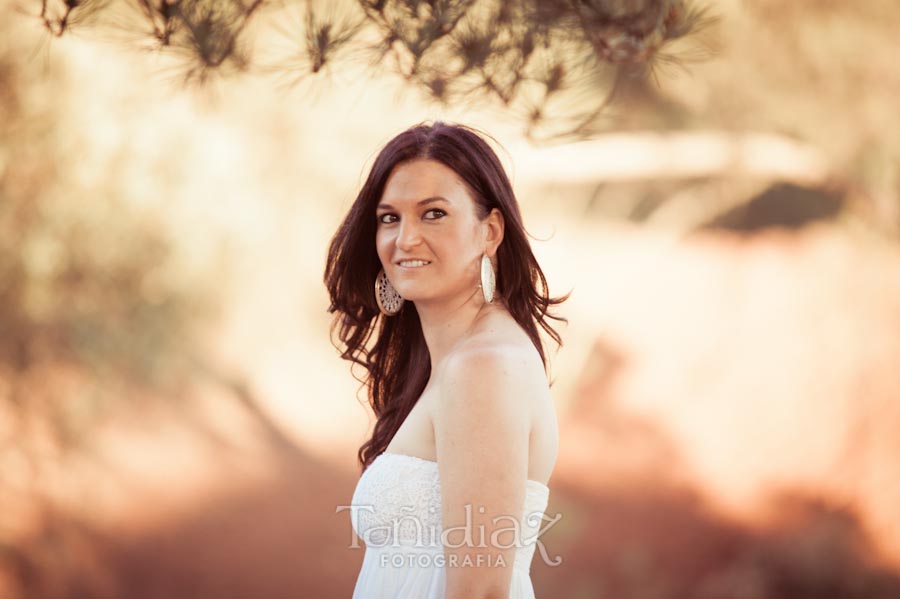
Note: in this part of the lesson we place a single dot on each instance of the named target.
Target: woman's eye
(389, 217)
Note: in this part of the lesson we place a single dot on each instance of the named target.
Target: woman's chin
(412, 296)
(415, 295)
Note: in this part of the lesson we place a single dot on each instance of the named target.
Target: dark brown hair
(397, 363)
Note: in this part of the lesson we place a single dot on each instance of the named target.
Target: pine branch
(517, 52)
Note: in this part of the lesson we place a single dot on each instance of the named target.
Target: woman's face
(426, 213)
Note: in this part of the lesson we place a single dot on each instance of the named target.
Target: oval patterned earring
(388, 299)
(488, 279)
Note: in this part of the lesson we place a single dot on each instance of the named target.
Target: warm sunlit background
(174, 421)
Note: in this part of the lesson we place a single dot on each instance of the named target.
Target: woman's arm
(481, 427)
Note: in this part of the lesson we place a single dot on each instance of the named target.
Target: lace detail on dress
(397, 502)
(405, 495)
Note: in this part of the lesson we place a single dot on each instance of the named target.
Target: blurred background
(720, 190)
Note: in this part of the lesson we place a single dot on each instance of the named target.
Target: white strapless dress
(402, 493)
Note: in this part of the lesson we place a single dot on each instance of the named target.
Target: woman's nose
(409, 235)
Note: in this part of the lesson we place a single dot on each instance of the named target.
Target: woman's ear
(494, 226)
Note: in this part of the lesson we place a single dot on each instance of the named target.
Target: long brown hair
(397, 363)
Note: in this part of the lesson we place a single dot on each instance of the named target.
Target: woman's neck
(446, 326)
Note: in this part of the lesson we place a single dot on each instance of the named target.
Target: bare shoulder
(492, 361)
(498, 362)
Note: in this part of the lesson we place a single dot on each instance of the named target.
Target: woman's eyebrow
(419, 203)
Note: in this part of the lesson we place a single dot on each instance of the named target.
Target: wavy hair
(397, 363)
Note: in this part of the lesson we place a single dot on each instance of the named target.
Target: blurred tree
(89, 306)
(96, 312)
(97, 322)
(550, 61)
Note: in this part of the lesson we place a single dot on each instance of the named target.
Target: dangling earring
(389, 300)
(488, 279)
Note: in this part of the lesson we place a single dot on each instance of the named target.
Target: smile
(413, 263)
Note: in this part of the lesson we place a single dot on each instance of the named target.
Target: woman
(455, 473)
